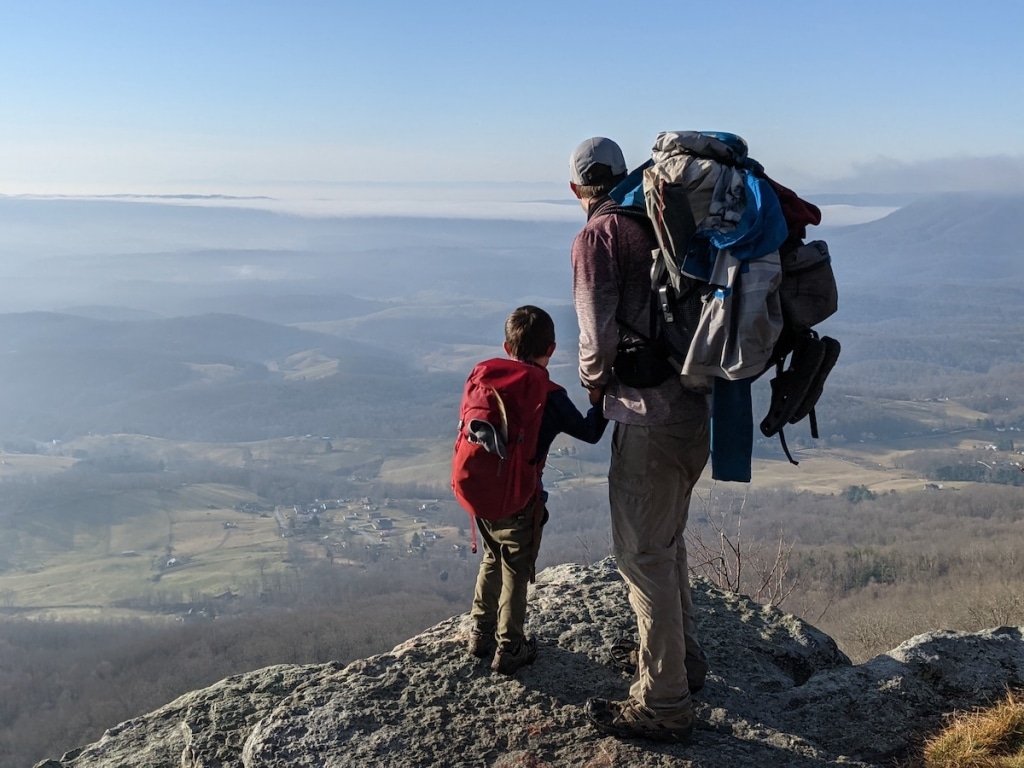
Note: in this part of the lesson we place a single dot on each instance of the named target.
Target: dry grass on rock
(984, 738)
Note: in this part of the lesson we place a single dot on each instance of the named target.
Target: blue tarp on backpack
(630, 191)
(762, 227)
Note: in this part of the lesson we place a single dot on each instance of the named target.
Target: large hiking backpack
(494, 472)
(734, 288)
(716, 270)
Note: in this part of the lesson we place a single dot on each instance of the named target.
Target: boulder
(780, 692)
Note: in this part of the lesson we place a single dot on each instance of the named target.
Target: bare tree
(584, 541)
(718, 552)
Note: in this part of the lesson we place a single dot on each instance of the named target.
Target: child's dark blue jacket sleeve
(562, 415)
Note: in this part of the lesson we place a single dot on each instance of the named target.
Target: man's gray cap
(596, 161)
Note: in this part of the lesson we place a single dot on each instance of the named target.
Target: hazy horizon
(521, 202)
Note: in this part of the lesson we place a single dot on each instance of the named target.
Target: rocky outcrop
(780, 693)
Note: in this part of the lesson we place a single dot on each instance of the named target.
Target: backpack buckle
(665, 299)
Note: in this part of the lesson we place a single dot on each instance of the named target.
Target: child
(511, 544)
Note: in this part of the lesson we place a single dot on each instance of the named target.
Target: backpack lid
(727, 148)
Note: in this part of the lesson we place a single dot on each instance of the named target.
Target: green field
(164, 543)
(13, 465)
(167, 544)
(90, 566)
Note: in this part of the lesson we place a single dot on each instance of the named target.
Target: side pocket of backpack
(808, 293)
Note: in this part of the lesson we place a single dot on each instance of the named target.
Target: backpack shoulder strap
(633, 212)
(640, 216)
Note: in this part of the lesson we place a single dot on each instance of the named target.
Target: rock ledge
(780, 692)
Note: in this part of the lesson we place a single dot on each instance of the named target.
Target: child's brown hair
(529, 333)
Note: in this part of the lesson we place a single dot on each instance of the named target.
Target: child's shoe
(509, 660)
(481, 643)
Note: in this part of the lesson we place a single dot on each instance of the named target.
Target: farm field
(142, 549)
(18, 464)
(158, 548)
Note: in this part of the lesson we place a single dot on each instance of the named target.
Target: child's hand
(595, 395)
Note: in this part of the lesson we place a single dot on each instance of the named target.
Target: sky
(377, 101)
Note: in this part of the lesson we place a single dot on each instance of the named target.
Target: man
(659, 448)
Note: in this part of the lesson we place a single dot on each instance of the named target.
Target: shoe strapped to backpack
(796, 390)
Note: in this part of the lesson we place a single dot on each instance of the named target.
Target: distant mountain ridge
(198, 338)
(949, 238)
(62, 375)
(372, 305)
(185, 260)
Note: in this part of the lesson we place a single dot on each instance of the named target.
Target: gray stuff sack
(808, 291)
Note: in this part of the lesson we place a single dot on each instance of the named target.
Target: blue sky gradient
(222, 95)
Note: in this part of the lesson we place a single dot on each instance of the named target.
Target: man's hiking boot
(481, 643)
(623, 654)
(509, 660)
(630, 719)
(696, 674)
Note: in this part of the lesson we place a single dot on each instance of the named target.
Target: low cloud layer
(998, 173)
(552, 202)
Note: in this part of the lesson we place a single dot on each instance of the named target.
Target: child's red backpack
(493, 470)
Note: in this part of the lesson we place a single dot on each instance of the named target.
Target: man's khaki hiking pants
(510, 554)
(652, 474)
